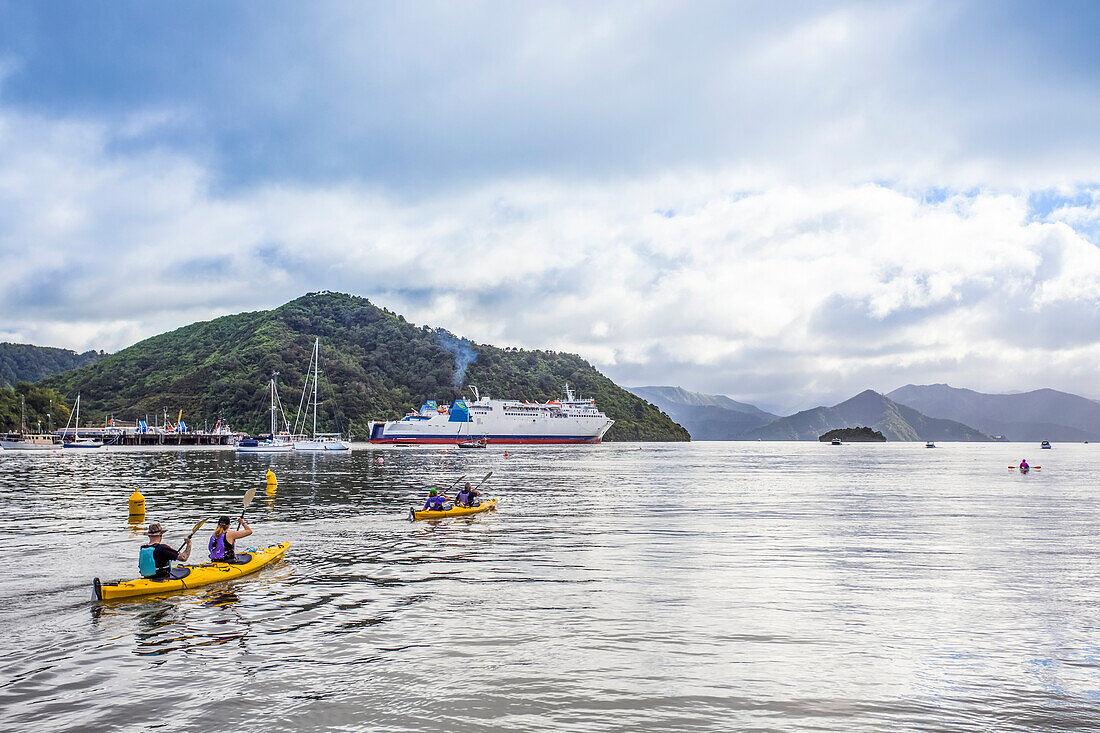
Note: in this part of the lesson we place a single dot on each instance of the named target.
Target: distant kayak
(458, 511)
(185, 577)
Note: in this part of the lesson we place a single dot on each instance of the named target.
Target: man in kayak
(155, 559)
(1023, 464)
(435, 501)
(223, 539)
(468, 496)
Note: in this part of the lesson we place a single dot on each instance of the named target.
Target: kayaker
(155, 559)
(468, 496)
(435, 501)
(223, 539)
(1023, 464)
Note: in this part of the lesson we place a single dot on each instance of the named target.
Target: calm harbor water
(708, 586)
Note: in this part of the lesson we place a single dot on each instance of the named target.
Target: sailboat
(319, 441)
(278, 443)
(29, 441)
(77, 441)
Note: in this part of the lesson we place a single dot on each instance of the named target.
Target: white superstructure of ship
(571, 420)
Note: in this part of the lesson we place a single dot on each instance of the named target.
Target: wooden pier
(114, 436)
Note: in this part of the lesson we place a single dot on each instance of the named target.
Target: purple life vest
(220, 548)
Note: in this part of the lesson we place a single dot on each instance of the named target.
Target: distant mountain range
(912, 412)
(866, 409)
(717, 417)
(706, 416)
(27, 363)
(1044, 414)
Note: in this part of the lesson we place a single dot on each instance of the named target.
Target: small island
(853, 435)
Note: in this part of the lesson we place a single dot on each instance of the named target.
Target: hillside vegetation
(376, 365)
(27, 363)
(42, 404)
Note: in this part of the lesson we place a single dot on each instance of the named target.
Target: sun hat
(155, 529)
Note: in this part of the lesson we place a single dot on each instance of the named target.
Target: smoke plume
(463, 351)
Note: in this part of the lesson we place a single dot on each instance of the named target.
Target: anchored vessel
(28, 441)
(277, 443)
(572, 420)
(75, 441)
(319, 441)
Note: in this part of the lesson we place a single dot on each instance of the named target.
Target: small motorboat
(835, 441)
(1045, 444)
(930, 444)
(471, 444)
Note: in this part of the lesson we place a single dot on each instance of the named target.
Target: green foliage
(375, 365)
(42, 403)
(854, 435)
(26, 363)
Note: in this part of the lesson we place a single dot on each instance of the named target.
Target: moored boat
(319, 441)
(276, 443)
(24, 441)
(76, 441)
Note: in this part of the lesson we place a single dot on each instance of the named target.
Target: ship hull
(489, 439)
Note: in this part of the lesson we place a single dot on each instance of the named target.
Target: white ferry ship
(572, 420)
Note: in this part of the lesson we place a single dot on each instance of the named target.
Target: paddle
(248, 495)
(453, 484)
(193, 531)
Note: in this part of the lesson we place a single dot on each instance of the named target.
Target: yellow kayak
(191, 576)
(458, 511)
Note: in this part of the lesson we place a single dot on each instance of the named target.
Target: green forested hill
(377, 366)
(27, 363)
(42, 404)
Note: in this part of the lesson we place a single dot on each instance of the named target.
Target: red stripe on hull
(489, 441)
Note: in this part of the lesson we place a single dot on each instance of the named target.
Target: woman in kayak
(435, 501)
(223, 539)
(1023, 464)
(155, 559)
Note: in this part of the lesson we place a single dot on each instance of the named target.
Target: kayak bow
(185, 577)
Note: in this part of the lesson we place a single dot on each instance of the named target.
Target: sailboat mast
(76, 428)
(316, 371)
(273, 421)
(22, 415)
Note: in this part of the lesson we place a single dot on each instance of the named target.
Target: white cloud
(777, 294)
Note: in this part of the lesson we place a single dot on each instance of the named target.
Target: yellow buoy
(137, 504)
(271, 478)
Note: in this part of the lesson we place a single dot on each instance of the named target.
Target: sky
(786, 203)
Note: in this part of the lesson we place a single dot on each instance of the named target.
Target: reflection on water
(707, 587)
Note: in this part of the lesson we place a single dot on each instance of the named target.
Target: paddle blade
(248, 496)
(197, 527)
